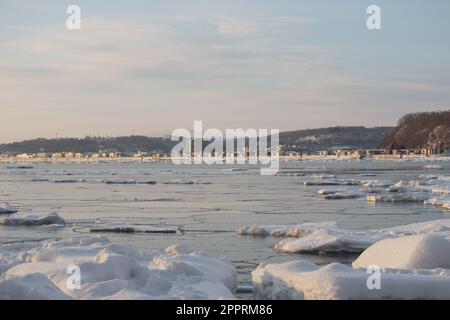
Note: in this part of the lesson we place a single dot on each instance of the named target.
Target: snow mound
(131, 228)
(305, 280)
(113, 271)
(52, 218)
(6, 208)
(423, 251)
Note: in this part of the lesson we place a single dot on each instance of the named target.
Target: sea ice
(400, 197)
(52, 218)
(328, 237)
(186, 182)
(113, 271)
(131, 228)
(376, 183)
(6, 208)
(305, 280)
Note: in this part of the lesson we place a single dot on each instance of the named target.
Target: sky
(151, 66)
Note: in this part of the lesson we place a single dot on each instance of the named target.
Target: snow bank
(305, 280)
(112, 271)
(52, 218)
(131, 228)
(423, 251)
(6, 208)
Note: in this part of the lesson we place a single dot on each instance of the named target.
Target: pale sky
(156, 65)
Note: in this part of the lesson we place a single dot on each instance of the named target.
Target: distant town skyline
(149, 67)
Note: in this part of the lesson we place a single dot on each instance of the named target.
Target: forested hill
(417, 130)
(308, 140)
(90, 144)
(325, 138)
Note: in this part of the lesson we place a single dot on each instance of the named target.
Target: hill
(418, 130)
(89, 144)
(325, 138)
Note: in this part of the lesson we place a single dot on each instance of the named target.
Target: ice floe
(6, 208)
(400, 197)
(433, 167)
(52, 218)
(68, 180)
(376, 183)
(305, 280)
(132, 228)
(324, 176)
(328, 237)
(186, 182)
(331, 182)
(112, 271)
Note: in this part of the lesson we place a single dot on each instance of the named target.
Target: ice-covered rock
(132, 228)
(6, 208)
(423, 251)
(52, 218)
(305, 280)
(113, 271)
